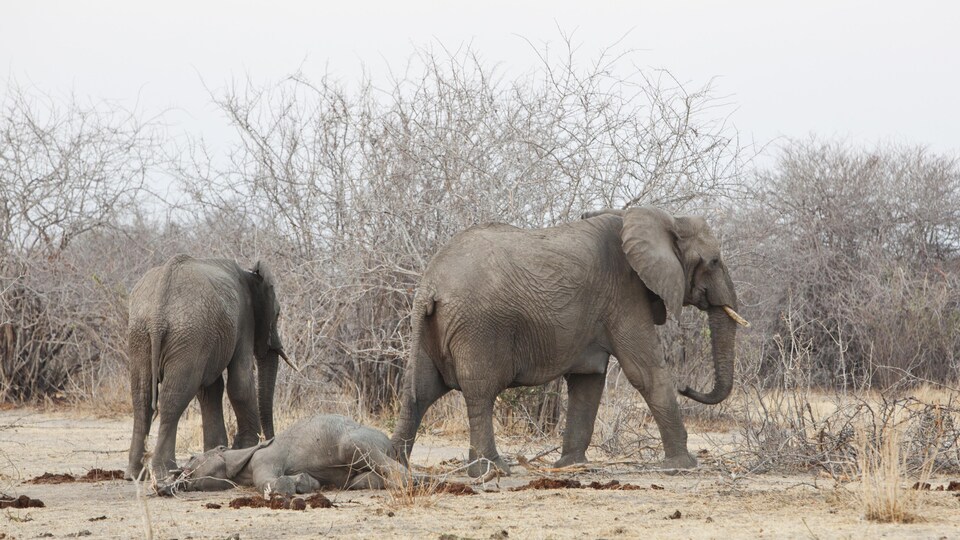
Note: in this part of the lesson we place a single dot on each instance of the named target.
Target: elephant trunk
(266, 382)
(723, 332)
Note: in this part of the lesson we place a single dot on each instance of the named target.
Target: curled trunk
(723, 332)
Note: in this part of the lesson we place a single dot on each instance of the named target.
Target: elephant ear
(236, 460)
(262, 271)
(649, 242)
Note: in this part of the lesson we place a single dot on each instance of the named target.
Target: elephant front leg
(211, 408)
(242, 391)
(641, 359)
(483, 448)
(292, 485)
(662, 400)
(584, 392)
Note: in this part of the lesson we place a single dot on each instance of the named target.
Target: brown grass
(884, 496)
(406, 491)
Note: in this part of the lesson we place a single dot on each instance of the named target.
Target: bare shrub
(351, 191)
(68, 171)
(856, 249)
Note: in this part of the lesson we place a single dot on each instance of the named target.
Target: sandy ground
(711, 504)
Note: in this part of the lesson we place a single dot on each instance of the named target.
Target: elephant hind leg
(142, 416)
(584, 392)
(422, 387)
(484, 456)
(172, 402)
(367, 480)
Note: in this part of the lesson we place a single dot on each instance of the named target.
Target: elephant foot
(132, 473)
(679, 461)
(483, 467)
(567, 460)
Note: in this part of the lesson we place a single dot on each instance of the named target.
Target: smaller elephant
(325, 450)
(191, 320)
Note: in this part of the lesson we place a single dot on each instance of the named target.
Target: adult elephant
(500, 307)
(189, 320)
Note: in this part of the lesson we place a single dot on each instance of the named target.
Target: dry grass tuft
(883, 494)
(406, 490)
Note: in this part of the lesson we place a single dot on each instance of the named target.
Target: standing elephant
(500, 307)
(190, 320)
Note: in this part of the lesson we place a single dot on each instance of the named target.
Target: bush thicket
(845, 258)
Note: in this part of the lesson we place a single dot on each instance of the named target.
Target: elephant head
(678, 259)
(214, 470)
(267, 346)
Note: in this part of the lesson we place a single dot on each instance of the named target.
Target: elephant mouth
(736, 317)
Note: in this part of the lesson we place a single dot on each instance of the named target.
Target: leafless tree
(861, 247)
(68, 169)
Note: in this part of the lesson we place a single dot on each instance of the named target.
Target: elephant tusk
(287, 360)
(736, 317)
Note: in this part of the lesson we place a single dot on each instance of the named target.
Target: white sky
(864, 71)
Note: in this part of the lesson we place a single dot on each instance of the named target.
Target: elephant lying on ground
(322, 451)
(499, 307)
(190, 320)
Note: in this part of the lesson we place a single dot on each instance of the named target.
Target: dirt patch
(614, 485)
(549, 483)
(93, 475)
(563, 483)
(455, 488)
(280, 502)
(22, 501)
(953, 485)
(779, 505)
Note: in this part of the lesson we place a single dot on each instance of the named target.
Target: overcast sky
(862, 70)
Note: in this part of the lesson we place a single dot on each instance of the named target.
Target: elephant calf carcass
(500, 306)
(325, 450)
(189, 320)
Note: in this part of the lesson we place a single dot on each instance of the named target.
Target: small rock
(675, 515)
(98, 518)
(213, 506)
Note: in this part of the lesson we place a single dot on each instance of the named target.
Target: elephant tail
(427, 303)
(156, 341)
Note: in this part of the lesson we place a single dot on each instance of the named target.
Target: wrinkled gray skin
(500, 307)
(326, 450)
(190, 320)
